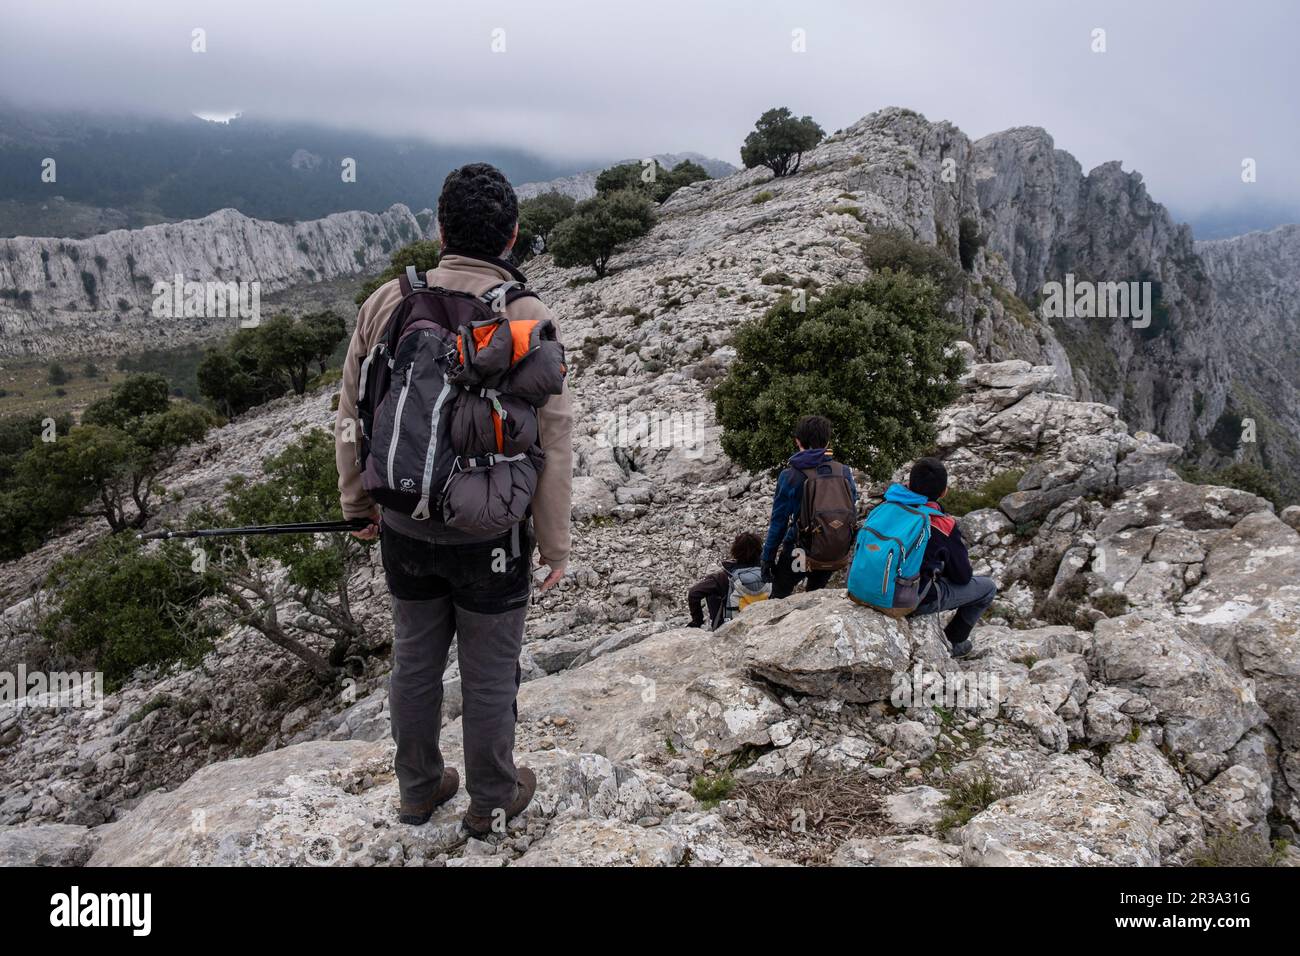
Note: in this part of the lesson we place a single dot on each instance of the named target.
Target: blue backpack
(886, 570)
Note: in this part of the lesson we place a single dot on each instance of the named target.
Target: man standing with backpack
(814, 514)
(453, 415)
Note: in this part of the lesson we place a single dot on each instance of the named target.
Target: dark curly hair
(477, 210)
(747, 548)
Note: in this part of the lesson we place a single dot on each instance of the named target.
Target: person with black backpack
(814, 514)
(728, 591)
(454, 433)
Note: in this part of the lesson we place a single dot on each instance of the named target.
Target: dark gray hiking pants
(478, 594)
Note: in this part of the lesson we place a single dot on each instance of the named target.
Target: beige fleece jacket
(552, 504)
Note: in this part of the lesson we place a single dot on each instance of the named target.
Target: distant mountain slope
(184, 169)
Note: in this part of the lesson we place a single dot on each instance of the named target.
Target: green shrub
(318, 570)
(1064, 607)
(423, 254)
(1043, 568)
(1238, 848)
(970, 797)
(109, 464)
(57, 374)
(893, 250)
(762, 197)
(599, 227)
(121, 606)
(1111, 603)
(657, 188)
(178, 365)
(260, 363)
(711, 790)
(875, 358)
(538, 218)
(960, 501)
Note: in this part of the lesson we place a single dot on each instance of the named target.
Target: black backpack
(447, 402)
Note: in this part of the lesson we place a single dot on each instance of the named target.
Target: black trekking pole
(305, 527)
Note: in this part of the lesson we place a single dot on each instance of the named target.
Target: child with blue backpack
(910, 558)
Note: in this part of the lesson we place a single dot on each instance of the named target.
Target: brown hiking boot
(418, 814)
(527, 786)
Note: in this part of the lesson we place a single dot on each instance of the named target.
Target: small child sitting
(738, 584)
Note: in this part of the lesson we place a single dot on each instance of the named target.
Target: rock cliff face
(1256, 279)
(1045, 219)
(96, 295)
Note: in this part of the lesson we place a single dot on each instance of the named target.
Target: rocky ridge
(60, 296)
(1044, 217)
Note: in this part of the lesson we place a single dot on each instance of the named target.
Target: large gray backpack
(447, 403)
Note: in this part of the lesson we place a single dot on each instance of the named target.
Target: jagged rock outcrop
(1045, 218)
(1256, 279)
(58, 844)
(1072, 816)
(61, 296)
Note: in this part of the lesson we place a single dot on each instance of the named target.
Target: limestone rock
(54, 844)
(917, 850)
(1071, 817)
(834, 648)
(1203, 704)
(114, 313)
(1236, 801)
(915, 808)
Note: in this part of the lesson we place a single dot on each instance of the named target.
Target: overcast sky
(1185, 90)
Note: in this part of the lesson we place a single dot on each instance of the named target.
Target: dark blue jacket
(946, 551)
(789, 496)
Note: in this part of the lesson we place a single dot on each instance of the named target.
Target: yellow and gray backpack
(745, 586)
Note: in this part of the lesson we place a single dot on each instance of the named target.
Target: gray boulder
(1203, 704)
(831, 647)
(1072, 816)
(53, 844)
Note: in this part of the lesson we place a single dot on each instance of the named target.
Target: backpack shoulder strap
(500, 296)
(412, 280)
